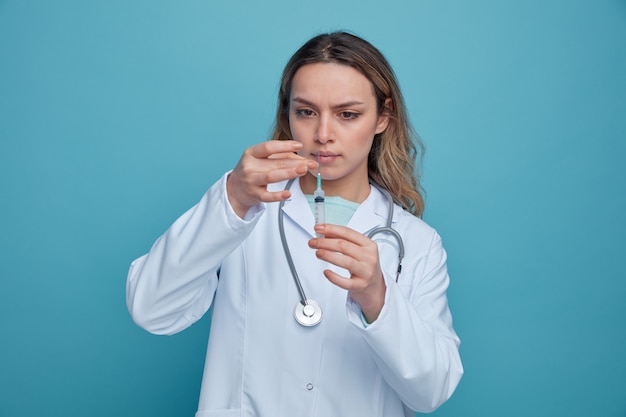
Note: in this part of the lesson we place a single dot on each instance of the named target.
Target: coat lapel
(297, 209)
(371, 213)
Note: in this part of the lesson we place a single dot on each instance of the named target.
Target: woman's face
(333, 112)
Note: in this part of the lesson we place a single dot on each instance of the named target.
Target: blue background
(116, 116)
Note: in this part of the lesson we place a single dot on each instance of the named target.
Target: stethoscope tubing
(283, 239)
(388, 229)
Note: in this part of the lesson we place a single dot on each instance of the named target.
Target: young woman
(374, 338)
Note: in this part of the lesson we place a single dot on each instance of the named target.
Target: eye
(303, 112)
(348, 115)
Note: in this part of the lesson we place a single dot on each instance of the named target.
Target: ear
(383, 119)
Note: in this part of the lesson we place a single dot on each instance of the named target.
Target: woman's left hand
(351, 250)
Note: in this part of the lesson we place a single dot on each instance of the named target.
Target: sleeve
(172, 286)
(412, 341)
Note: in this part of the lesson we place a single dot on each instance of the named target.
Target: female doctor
(313, 317)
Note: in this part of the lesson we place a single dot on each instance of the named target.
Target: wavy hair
(392, 159)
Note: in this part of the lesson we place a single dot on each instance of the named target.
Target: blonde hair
(392, 159)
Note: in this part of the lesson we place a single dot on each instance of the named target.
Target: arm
(410, 331)
(412, 340)
(172, 286)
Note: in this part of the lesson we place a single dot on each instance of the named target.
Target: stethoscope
(308, 312)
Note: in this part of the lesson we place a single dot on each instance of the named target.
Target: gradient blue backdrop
(115, 117)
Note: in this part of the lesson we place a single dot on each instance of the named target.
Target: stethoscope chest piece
(308, 314)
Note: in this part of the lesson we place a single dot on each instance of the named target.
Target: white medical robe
(260, 361)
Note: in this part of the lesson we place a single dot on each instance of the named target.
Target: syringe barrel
(320, 215)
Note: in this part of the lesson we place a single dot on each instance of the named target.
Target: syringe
(318, 197)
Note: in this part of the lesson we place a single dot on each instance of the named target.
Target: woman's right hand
(262, 164)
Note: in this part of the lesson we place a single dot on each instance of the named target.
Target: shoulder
(408, 220)
(416, 230)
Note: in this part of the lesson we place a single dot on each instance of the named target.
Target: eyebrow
(337, 106)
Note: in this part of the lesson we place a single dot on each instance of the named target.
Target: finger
(360, 247)
(362, 291)
(338, 259)
(271, 147)
(286, 155)
(342, 232)
(290, 161)
(277, 172)
(360, 258)
(342, 282)
(273, 196)
(282, 156)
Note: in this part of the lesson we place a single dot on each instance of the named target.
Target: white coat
(260, 361)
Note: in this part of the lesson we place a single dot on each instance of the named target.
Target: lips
(325, 157)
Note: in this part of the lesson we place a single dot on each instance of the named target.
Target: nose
(324, 130)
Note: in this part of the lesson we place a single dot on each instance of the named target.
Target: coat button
(309, 386)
